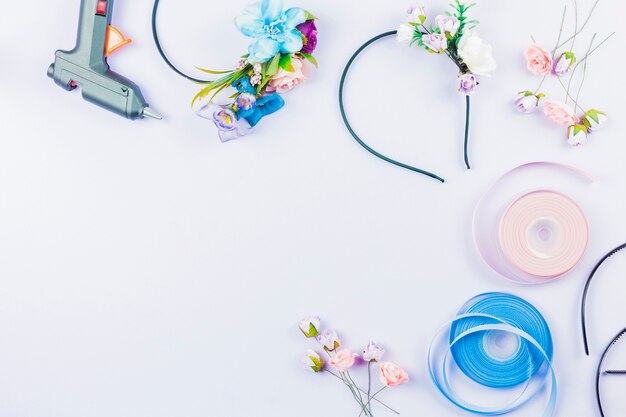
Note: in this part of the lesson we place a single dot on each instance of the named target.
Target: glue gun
(86, 64)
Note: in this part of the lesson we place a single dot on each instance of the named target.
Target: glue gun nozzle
(151, 114)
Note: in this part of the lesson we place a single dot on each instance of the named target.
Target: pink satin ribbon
(527, 232)
(544, 233)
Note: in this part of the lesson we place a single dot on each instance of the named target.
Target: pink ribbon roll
(527, 232)
(544, 233)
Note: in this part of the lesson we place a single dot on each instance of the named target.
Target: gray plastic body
(85, 66)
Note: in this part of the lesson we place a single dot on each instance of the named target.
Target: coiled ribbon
(526, 231)
(497, 341)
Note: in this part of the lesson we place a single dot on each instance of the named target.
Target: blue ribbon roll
(498, 341)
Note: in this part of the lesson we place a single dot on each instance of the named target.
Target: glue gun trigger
(114, 41)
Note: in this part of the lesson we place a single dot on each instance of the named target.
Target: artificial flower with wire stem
(275, 63)
(562, 63)
(340, 362)
(453, 34)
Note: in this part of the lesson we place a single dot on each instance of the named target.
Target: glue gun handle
(92, 32)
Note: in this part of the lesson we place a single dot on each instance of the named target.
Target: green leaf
(272, 67)
(208, 71)
(309, 16)
(285, 63)
(311, 59)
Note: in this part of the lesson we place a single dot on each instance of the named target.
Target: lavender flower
(228, 126)
(527, 101)
(329, 340)
(467, 83)
(245, 101)
(225, 119)
(435, 42)
(565, 62)
(448, 25)
(373, 352)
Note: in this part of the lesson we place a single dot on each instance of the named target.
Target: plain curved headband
(599, 372)
(583, 304)
(365, 145)
(157, 42)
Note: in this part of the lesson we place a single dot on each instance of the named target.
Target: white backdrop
(149, 270)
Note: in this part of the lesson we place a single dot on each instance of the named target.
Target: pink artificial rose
(284, 80)
(560, 114)
(539, 60)
(391, 375)
(343, 360)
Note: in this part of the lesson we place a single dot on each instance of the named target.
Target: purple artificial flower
(527, 101)
(435, 42)
(225, 119)
(565, 62)
(309, 31)
(373, 352)
(467, 83)
(245, 101)
(228, 126)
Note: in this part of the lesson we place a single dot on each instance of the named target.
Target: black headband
(583, 304)
(599, 372)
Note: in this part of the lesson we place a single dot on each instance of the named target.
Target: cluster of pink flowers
(342, 360)
(558, 64)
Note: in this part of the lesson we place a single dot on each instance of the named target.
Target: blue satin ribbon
(479, 345)
(264, 106)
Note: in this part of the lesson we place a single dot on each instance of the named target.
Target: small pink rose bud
(343, 360)
(391, 375)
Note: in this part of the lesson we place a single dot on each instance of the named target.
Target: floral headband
(453, 36)
(274, 64)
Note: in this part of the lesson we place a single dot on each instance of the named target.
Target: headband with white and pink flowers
(275, 63)
(453, 35)
(563, 64)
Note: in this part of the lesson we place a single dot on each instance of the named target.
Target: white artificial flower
(476, 54)
(310, 326)
(448, 25)
(594, 120)
(405, 33)
(313, 361)
(416, 14)
(577, 134)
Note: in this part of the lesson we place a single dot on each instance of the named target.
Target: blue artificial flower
(273, 29)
